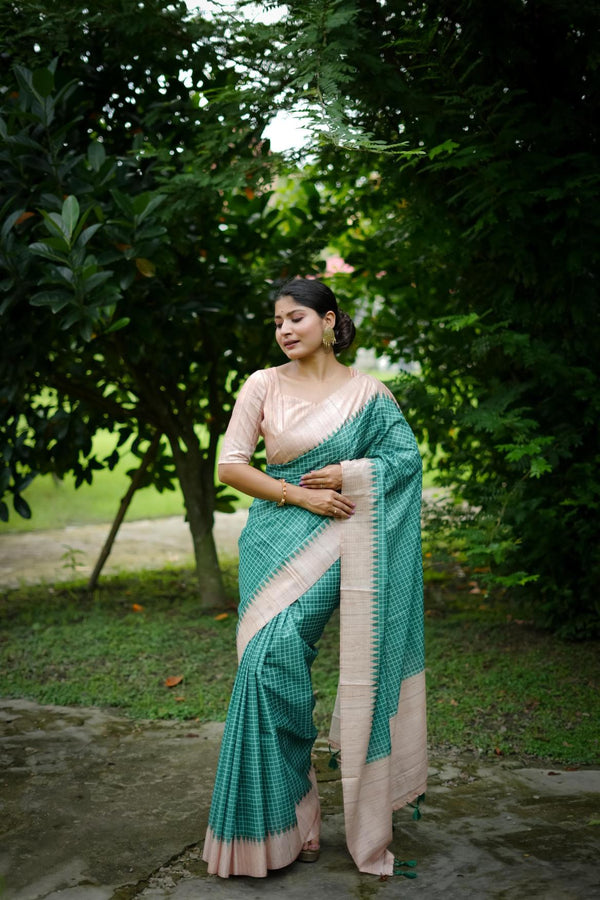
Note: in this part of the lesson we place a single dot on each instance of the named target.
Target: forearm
(255, 483)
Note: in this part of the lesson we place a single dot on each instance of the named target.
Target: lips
(289, 344)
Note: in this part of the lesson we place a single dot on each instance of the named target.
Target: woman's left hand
(328, 477)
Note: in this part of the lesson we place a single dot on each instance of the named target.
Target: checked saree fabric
(295, 568)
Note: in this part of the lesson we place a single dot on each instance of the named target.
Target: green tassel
(410, 863)
(417, 812)
(333, 759)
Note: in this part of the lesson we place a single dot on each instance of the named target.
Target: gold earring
(328, 337)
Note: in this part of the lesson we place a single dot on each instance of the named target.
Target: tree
(138, 242)
(462, 140)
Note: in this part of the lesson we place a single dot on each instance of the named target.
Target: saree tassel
(333, 759)
(406, 863)
(417, 812)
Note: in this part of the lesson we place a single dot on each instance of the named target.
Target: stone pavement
(98, 807)
(94, 806)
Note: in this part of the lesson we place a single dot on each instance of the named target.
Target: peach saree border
(255, 858)
(371, 790)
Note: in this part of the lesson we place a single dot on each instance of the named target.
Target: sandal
(309, 854)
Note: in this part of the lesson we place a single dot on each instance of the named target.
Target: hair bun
(344, 331)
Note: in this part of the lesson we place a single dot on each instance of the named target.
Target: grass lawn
(57, 504)
(496, 685)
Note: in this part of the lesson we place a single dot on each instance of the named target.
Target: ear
(329, 318)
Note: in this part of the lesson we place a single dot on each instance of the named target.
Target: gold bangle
(283, 492)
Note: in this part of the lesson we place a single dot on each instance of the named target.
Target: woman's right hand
(324, 502)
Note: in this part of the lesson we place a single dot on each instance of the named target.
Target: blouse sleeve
(245, 424)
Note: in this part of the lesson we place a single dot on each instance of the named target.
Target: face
(299, 329)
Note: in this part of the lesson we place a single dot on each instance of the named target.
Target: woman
(336, 520)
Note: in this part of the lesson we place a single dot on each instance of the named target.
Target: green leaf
(55, 225)
(87, 233)
(70, 215)
(56, 300)
(96, 155)
(40, 249)
(43, 82)
(3, 511)
(10, 221)
(74, 315)
(539, 467)
(123, 202)
(118, 325)
(98, 278)
(459, 322)
(21, 506)
(448, 146)
(144, 204)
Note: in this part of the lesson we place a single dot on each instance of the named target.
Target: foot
(311, 845)
(310, 851)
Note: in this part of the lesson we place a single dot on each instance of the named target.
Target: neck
(319, 367)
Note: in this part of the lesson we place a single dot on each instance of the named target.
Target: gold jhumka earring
(328, 337)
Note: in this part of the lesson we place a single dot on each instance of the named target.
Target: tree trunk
(197, 485)
(124, 506)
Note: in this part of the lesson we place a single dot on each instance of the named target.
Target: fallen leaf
(553, 773)
(136, 607)
(179, 699)
(173, 680)
(221, 616)
(498, 752)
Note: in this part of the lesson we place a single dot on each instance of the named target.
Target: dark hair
(316, 295)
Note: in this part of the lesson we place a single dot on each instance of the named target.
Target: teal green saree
(295, 568)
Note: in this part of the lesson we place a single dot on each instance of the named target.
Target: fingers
(328, 477)
(329, 503)
(342, 507)
(314, 480)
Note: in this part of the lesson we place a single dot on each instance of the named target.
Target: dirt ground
(67, 553)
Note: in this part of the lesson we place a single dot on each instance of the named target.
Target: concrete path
(98, 807)
(67, 553)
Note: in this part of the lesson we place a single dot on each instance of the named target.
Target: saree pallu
(294, 568)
